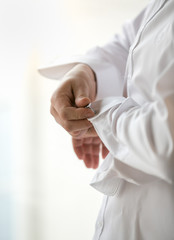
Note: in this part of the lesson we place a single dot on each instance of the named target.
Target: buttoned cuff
(115, 168)
(107, 112)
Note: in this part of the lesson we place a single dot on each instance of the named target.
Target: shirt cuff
(109, 81)
(115, 167)
(107, 112)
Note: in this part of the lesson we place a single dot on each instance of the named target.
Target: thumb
(82, 101)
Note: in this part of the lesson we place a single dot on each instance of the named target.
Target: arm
(145, 133)
(107, 62)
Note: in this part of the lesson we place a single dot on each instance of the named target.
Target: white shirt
(135, 120)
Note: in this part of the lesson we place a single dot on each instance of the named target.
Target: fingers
(73, 121)
(69, 100)
(79, 125)
(88, 150)
(73, 113)
(91, 161)
(82, 101)
(65, 107)
(84, 91)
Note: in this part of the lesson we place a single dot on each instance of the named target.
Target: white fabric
(136, 125)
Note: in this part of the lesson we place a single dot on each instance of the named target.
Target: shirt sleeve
(145, 131)
(108, 62)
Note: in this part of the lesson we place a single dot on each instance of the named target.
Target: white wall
(44, 188)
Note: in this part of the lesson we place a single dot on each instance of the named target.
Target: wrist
(88, 70)
(91, 76)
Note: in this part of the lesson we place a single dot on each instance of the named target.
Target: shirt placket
(129, 69)
(100, 221)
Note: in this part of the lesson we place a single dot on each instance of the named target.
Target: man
(129, 84)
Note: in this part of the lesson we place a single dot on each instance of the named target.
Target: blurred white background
(44, 188)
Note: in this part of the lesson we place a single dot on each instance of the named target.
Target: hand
(69, 100)
(88, 149)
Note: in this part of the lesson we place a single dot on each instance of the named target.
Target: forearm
(108, 62)
(144, 132)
